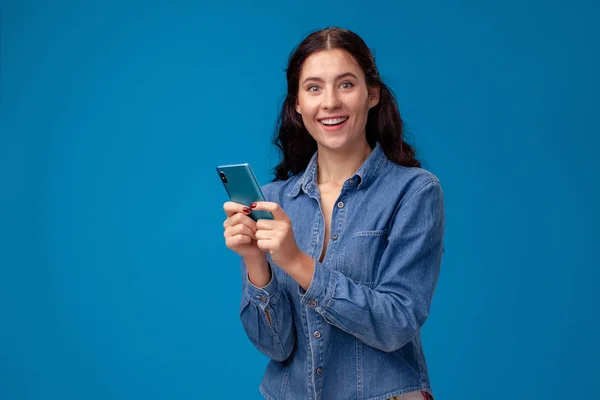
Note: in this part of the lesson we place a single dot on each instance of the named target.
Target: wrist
(254, 263)
(259, 271)
(259, 279)
(299, 263)
(302, 269)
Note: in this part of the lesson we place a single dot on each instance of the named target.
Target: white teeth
(333, 121)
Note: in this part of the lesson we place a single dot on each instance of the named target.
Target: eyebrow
(313, 78)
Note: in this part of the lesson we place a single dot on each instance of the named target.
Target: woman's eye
(346, 85)
(312, 88)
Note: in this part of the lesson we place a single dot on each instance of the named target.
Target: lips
(335, 123)
(332, 121)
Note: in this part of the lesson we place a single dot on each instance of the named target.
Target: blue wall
(114, 279)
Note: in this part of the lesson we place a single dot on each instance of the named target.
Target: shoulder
(277, 190)
(410, 180)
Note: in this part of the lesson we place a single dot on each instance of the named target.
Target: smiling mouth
(333, 121)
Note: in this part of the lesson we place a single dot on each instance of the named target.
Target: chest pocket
(360, 257)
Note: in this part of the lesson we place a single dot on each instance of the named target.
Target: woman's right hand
(240, 232)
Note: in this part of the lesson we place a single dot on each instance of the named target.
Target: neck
(335, 167)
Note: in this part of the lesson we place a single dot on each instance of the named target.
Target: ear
(298, 107)
(373, 96)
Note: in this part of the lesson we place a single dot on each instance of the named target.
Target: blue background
(115, 282)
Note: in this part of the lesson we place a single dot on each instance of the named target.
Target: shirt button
(317, 334)
(263, 299)
(340, 205)
(352, 182)
(312, 303)
(319, 371)
(335, 237)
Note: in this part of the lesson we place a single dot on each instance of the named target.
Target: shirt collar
(366, 174)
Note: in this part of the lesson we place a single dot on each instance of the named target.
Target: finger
(271, 207)
(232, 208)
(237, 240)
(239, 229)
(267, 224)
(264, 244)
(237, 219)
(264, 234)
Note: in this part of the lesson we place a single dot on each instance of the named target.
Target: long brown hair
(384, 124)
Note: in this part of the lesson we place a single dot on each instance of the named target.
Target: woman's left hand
(276, 236)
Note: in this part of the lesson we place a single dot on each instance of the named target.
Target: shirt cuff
(321, 287)
(261, 297)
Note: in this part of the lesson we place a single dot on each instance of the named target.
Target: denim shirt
(354, 333)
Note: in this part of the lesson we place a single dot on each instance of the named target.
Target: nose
(331, 100)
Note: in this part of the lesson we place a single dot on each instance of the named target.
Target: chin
(341, 139)
(337, 144)
(334, 142)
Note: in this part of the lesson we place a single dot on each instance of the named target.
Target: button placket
(316, 358)
(338, 218)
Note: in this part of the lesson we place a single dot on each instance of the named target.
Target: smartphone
(242, 187)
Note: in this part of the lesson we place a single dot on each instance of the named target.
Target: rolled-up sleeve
(266, 316)
(388, 315)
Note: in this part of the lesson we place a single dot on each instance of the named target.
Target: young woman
(338, 285)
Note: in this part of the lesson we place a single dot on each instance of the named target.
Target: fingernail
(253, 205)
(246, 210)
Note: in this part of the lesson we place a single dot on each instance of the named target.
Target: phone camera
(223, 177)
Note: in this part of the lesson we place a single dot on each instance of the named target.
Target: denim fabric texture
(355, 333)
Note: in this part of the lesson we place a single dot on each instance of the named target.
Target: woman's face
(334, 100)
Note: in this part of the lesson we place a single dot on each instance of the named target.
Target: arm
(265, 310)
(266, 316)
(387, 316)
